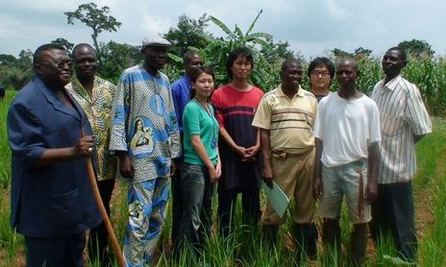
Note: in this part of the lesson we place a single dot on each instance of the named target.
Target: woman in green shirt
(201, 168)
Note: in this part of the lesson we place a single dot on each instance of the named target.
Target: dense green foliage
(426, 71)
(15, 72)
(115, 58)
(65, 43)
(5, 158)
(188, 34)
(417, 48)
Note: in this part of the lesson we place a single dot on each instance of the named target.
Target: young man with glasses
(321, 73)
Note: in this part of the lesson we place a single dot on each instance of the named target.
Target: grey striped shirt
(402, 115)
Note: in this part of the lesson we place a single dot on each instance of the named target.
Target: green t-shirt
(197, 121)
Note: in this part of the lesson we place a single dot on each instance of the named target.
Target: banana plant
(218, 49)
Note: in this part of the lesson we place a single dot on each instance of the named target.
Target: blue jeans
(197, 192)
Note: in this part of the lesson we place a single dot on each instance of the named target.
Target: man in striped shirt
(404, 121)
(285, 118)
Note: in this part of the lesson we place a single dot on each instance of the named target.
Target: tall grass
(245, 246)
(5, 152)
(433, 148)
(10, 243)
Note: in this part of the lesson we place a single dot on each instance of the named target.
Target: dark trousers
(393, 212)
(97, 245)
(177, 207)
(227, 203)
(196, 220)
(55, 252)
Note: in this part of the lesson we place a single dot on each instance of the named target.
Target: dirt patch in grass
(424, 199)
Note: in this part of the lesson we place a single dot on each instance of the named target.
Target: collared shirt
(181, 89)
(289, 121)
(402, 115)
(98, 107)
(144, 123)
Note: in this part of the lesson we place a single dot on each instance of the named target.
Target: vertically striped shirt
(403, 116)
(289, 121)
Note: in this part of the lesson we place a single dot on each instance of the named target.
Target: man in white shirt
(404, 121)
(347, 143)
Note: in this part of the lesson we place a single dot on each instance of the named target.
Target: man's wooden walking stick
(97, 196)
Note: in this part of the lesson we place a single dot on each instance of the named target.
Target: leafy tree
(117, 57)
(217, 51)
(417, 48)
(188, 33)
(341, 53)
(362, 52)
(63, 42)
(16, 72)
(7, 59)
(95, 18)
(282, 51)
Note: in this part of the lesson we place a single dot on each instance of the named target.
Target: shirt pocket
(66, 209)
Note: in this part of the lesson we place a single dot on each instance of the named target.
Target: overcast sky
(312, 27)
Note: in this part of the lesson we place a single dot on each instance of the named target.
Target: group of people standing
(197, 139)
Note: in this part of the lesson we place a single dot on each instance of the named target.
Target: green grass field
(244, 247)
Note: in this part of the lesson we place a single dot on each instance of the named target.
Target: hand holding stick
(97, 196)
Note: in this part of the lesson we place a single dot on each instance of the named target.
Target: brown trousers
(294, 174)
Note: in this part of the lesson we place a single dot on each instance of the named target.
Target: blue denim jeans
(197, 192)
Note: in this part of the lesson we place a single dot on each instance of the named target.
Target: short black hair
(321, 61)
(342, 60)
(289, 61)
(236, 53)
(79, 46)
(402, 52)
(43, 48)
(189, 55)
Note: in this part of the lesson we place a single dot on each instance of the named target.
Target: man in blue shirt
(51, 199)
(181, 89)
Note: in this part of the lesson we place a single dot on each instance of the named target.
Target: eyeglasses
(60, 64)
(320, 73)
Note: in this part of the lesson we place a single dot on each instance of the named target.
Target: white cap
(155, 41)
